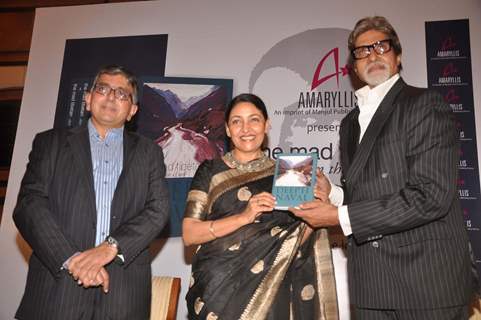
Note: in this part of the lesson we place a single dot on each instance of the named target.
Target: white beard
(379, 76)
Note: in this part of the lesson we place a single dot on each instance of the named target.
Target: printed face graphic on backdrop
(304, 80)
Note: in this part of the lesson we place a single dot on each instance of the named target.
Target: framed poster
(184, 116)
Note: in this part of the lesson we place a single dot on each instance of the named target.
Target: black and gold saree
(261, 271)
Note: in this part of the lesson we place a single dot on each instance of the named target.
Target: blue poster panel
(143, 55)
(449, 72)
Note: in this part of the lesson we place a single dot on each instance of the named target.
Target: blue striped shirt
(107, 163)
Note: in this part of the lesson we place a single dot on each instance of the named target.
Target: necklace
(251, 166)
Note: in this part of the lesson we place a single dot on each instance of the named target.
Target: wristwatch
(111, 242)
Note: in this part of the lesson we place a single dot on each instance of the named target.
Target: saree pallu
(260, 271)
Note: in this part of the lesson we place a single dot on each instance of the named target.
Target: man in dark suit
(91, 201)
(408, 250)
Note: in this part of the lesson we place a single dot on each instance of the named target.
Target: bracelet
(211, 229)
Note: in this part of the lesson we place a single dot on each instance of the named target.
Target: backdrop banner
(449, 72)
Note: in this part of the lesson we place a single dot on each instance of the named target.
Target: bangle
(211, 229)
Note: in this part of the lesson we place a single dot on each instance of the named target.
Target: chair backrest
(165, 295)
(475, 312)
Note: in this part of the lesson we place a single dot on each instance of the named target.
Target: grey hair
(377, 23)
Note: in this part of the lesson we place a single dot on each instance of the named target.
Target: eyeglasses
(119, 93)
(380, 47)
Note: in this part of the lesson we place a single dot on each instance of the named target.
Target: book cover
(294, 179)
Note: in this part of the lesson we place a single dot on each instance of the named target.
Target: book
(294, 179)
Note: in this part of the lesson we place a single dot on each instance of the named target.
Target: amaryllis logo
(343, 71)
(448, 48)
(451, 96)
(450, 70)
(448, 43)
(449, 75)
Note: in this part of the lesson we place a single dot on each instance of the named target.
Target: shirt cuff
(344, 220)
(121, 258)
(336, 196)
(65, 264)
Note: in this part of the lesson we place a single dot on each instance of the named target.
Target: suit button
(375, 244)
(343, 180)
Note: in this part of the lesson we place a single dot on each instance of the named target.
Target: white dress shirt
(368, 100)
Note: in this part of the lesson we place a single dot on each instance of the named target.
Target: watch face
(111, 241)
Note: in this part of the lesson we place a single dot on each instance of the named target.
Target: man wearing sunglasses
(408, 250)
(91, 201)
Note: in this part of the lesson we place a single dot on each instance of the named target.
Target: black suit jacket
(56, 215)
(409, 247)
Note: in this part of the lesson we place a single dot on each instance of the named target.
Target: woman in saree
(252, 261)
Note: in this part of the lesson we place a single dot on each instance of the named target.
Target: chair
(475, 312)
(165, 295)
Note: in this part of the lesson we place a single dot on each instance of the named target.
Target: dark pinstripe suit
(409, 247)
(56, 215)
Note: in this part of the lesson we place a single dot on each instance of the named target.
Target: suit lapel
(80, 144)
(373, 130)
(130, 149)
(130, 146)
(348, 138)
(355, 131)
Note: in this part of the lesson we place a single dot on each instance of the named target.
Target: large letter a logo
(344, 70)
